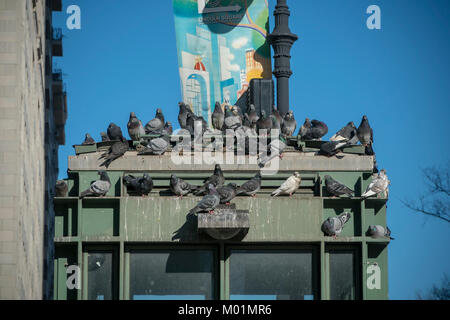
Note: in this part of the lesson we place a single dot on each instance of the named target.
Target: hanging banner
(221, 47)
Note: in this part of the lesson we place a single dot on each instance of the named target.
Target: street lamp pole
(282, 39)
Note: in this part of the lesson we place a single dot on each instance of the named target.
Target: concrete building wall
(28, 150)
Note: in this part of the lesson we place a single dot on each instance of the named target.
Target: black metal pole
(282, 40)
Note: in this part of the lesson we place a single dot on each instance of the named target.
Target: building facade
(33, 112)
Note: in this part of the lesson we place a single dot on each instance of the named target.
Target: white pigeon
(289, 186)
(378, 185)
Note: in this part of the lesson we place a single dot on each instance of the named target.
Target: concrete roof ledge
(292, 161)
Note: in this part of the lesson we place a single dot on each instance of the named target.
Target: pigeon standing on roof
(61, 189)
(104, 136)
(277, 119)
(274, 149)
(379, 184)
(365, 132)
(98, 188)
(217, 180)
(318, 130)
(156, 146)
(378, 231)
(264, 123)
(116, 151)
(218, 117)
(155, 125)
(183, 114)
(208, 203)
(135, 128)
(141, 185)
(336, 188)
(304, 129)
(179, 187)
(252, 114)
(289, 186)
(346, 133)
(251, 187)
(227, 193)
(88, 140)
(333, 226)
(289, 124)
(232, 119)
(114, 132)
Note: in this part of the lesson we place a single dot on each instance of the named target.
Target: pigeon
(274, 149)
(168, 129)
(208, 203)
(277, 119)
(114, 132)
(346, 133)
(289, 186)
(88, 140)
(141, 185)
(98, 188)
(365, 132)
(264, 123)
(61, 189)
(378, 185)
(135, 128)
(155, 125)
(116, 151)
(331, 148)
(289, 124)
(218, 117)
(227, 193)
(104, 136)
(180, 187)
(318, 130)
(217, 180)
(232, 119)
(304, 129)
(252, 115)
(182, 115)
(378, 231)
(156, 146)
(192, 120)
(333, 226)
(251, 187)
(336, 188)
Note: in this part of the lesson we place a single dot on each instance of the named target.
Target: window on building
(194, 95)
(173, 274)
(273, 275)
(344, 276)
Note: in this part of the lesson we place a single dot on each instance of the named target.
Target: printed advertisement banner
(221, 47)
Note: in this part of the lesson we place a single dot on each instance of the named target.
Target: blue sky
(125, 59)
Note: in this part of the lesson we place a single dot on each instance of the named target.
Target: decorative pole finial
(282, 40)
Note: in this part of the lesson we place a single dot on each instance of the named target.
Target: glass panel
(100, 276)
(172, 275)
(272, 275)
(342, 275)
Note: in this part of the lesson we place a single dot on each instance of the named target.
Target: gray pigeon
(104, 136)
(277, 119)
(365, 132)
(251, 187)
(116, 151)
(380, 184)
(227, 193)
(289, 186)
(264, 123)
(252, 114)
(192, 121)
(333, 226)
(156, 146)
(304, 129)
(208, 203)
(98, 188)
(155, 125)
(88, 140)
(346, 133)
(180, 187)
(114, 132)
(378, 231)
(318, 130)
(217, 180)
(218, 117)
(232, 119)
(289, 124)
(331, 148)
(140, 185)
(183, 114)
(168, 129)
(135, 128)
(336, 188)
(61, 189)
(274, 149)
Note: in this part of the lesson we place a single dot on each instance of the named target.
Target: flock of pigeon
(225, 118)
